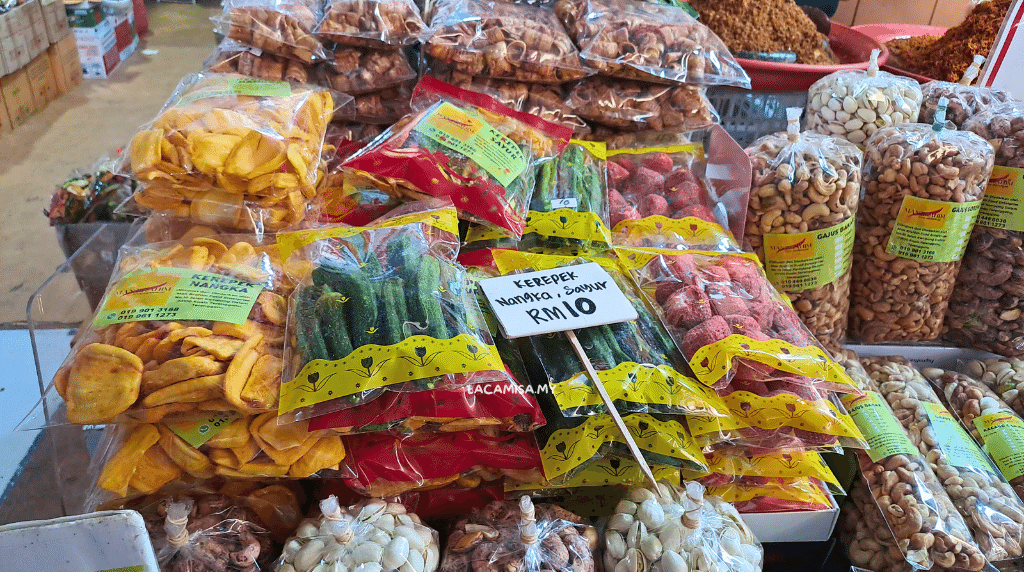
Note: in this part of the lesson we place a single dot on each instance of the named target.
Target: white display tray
(803, 526)
(98, 542)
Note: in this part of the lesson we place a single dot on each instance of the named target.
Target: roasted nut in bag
(870, 544)
(227, 541)
(363, 70)
(520, 536)
(855, 104)
(232, 57)
(992, 510)
(987, 418)
(893, 468)
(181, 328)
(985, 305)
(629, 39)
(280, 27)
(964, 99)
(633, 105)
(373, 534)
(503, 41)
(385, 306)
(233, 152)
(678, 528)
(466, 147)
(800, 222)
(371, 22)
(923, 190)
(1002, 375)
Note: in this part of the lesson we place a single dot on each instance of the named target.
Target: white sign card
(555, 300)
(1006, 58)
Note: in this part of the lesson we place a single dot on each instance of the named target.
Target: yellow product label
(567, 223)
(695, 149)
(198, 432)
(567, 449)
(796, 262)
(1003, 206)
(445, 220)
(452, 127)
(139, 568)
(882, 431)
(780, 465)
(691, 230)
(712, 362)
(611, 470)
(748, 409)
(1003, 438)
(170, 294)
(636, 383)
(373, 366)
(952, 441)
(932, 231)
(634, 258)
(797, 490)
(508, 261)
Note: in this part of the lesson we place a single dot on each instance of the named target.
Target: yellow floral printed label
(712, 362)
(695, 149)
(567, 449)
(610, 470)
(777, 466)
(932, 231)
(563, 223)
(445, 220)
(636, 383)
(1003, 438)
(596, 148)
(953, 442)
(198, 432)
(474, 138)
(883, 432)
(783, 410)
(797, 262)
(691, 230)
(1003, 206)
(508, 261)
(373, 366)
(798, 490)
(634, 258)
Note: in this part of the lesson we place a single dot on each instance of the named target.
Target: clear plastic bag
(767, 495)
(357, 71)
(508, 535)
(870, 544)
(371, 22)
(985, 304)
(629, 39)
(854, 104)
(233, 152)
(233, 57)
(923, 190)
(501, 40)
(893, 467)
(374, 534)
(734, 465)
(380, 107)
(1002, 375)
(632, 105)
(487, 169)
(226, 541)
(280, 27)
(992, 510)
(964, 99)
(694, 531)
(384, 306)
(800, 222)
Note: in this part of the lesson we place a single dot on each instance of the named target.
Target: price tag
(199, 431)
(569, 203)
(555, 300)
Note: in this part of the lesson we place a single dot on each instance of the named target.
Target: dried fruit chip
(118, 471)
(103, 382)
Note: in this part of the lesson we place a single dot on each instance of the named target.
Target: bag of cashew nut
(986, 304)
(629, 39)
(964, 99)
(495, 39)
(1005, 376)
(234, 152)
(280, 27)
(855, 104)
(374, 23)
(678, 528)
(371, 535)
(232, 57)
(519, 536)
(994, 426)
(894, 470)
(993, 512)
(800, 222)
(923, 190)
(228, 541)
(637, 106)
(870, 544)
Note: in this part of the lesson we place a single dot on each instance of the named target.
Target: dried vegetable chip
(280, 27)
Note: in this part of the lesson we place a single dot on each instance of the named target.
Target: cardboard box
(18, 97)
(84, 17)
(808, 526)
(945, 13)
(124, 29)
(13, 54)
(66, 63)
(55, 19)
(1007, 55)
(100, 68)
(40, 77)
(5, 122)
(37, 39)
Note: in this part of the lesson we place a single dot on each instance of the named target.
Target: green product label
(1003, 207)
(452, 127)
(177, 294)
(809, 260)
(881, 429)
(139, 568)
(1003, 436)
(236, 86)
(932, 231)
(197, 433)
(953, 441)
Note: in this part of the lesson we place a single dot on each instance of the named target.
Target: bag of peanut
(854, 104)
(800, 222)
(923, 190)
(965, 100)
(987, 301)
